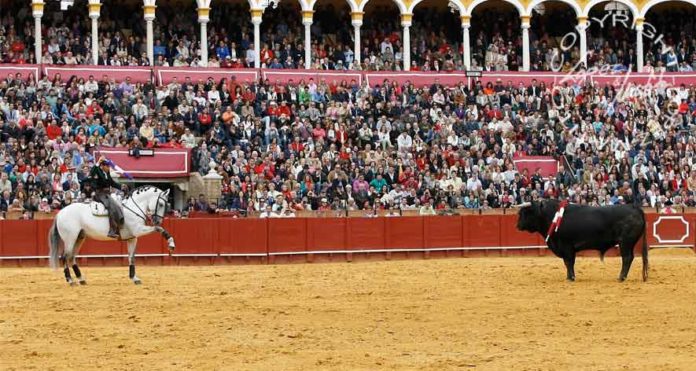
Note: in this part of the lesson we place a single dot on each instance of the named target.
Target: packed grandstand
(346, 144)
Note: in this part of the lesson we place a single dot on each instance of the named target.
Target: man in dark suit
(534, 89)
(102, 181)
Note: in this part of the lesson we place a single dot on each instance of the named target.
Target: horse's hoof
(621, 280)
(138, 282)
(72, 283)
(83, 282)
(572, 279)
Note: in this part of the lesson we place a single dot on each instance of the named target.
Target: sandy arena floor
(488, 313)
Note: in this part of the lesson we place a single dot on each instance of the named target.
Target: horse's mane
(142, 189)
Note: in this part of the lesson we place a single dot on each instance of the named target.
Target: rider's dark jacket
(102, 180)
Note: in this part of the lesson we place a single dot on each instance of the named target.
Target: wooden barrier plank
(443, 231)
(511, 236)
(242, 237)
(405, 232)
(484, 230)
(366, 233)
(19, 237)
(195, 236)
(327, 234)
(287, 235)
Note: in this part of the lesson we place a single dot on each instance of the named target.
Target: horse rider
(102, 182)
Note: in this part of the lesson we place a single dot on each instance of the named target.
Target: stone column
(525, 43)
(203, 19)
(406, 21)
(640, 56)
(149, 11)
(256, 18)
(37, 10)
(307, 19)
(582, 33)
(94, 12)
(212, 183)
(466, 43)
(357, 21)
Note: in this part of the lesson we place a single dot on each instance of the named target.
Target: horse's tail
(54, 245)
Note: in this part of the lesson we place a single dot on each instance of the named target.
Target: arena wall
(165, 75)
(239, 241)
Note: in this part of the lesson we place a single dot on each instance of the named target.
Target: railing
(19, 215)
(165, 75)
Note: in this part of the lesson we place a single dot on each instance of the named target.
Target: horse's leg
(146, 229)
(76, 250)
(69, 257)
(167, 236)
(132, 243)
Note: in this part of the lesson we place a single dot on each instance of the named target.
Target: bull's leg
(569, 260)
(626, 248)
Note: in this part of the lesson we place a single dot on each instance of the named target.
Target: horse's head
(157, 205)
(152, 202)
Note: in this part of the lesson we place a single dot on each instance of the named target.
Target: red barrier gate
(240, 240)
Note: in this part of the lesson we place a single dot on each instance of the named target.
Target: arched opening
(551, 21)
(611, 38)
(381, 42)
(230, 32)
(122, 32)
(674, 21)
(19, 32)
(331, 35)
(436, 37)
(282, 36)
(66, 30)
(496, 43)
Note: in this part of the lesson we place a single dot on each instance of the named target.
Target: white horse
(79, 221)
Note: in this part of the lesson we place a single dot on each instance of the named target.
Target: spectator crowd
(318, 145)
(435, 39)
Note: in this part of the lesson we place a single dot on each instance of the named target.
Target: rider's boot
(113, 229)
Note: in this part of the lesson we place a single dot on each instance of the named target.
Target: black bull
(588, 228)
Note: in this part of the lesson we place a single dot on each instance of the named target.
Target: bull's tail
(644, 252)
(53, 245)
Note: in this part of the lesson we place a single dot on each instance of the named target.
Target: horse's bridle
(156, 218)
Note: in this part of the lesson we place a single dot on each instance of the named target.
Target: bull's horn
(524, 204)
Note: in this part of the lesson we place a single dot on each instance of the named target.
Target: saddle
(98, 209)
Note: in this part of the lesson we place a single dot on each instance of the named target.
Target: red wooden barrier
(404, 233)
(242, 237)
(197, 237)
(19, 238)
(327, 234)
(481, 230)
(366, 233)
(443, 232)
(287, 236)
(233, 239)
